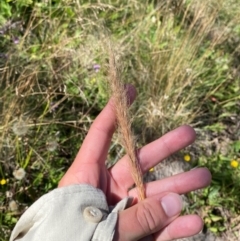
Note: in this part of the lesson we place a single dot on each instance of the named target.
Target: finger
(93, 152)
(180, 183)
(151, 154)
(181, 227)
(147, 217)
(96, 144)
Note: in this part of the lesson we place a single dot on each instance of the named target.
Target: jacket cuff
(77, 212)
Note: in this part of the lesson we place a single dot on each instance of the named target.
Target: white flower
(188, 71)
(20, 128)
(13, 206)
(52, 145)
(19, 174)
(9, 194)
(154, 19)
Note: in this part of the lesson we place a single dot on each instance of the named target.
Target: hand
(157, 217)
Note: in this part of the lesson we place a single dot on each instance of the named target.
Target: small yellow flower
(93, 81)
(234, 163)
(3, 181)
(187, 157)
(151, 170)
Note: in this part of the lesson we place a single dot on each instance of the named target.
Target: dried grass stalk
(123, 120)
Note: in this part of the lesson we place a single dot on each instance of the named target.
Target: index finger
(96, 144)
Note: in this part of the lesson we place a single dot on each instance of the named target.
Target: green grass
(183, 58)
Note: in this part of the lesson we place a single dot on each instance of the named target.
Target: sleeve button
(92, 214)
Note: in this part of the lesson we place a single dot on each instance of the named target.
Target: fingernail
(172, 204)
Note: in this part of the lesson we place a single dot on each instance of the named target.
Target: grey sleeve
(77, 212)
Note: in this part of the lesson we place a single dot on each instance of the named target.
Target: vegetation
(182, 57)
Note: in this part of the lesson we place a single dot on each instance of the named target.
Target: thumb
(147, 217)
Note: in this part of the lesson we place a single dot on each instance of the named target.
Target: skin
(148, 218)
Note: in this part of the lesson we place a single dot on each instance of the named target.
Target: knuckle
(147, 218)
